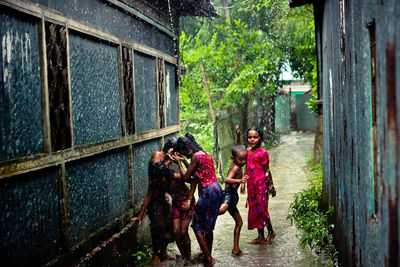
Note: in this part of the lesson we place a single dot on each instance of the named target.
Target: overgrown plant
(315, 223)
(142, 257)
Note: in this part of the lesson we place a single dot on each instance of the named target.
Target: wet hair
(171, 143)
(237, 149)
(258, 130)
(187, 141)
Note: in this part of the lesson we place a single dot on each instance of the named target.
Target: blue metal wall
(55, 201)
(366, 235)
(20, 100)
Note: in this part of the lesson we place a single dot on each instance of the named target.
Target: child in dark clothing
(232, 181)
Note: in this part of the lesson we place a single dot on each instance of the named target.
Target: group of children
(212, 200)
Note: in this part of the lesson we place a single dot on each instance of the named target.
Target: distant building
(291, 110)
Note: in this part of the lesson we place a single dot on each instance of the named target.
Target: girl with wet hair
(160, 179)
(259, 186)
(201, 168)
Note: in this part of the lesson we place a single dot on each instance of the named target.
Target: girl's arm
(237, 134)
(271, 187)
(145, 204)
(188, 200)
(190, 169)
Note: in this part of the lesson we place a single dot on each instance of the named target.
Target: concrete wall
(282, 114)
(305, 119)
(351, 65)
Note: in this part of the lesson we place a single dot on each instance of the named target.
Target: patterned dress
(257, 188)
(210, 195)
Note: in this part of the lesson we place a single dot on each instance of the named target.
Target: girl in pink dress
(259, 185)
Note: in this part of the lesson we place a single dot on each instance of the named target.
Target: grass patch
(315, 223)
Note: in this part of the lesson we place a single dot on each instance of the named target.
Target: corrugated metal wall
(88, 92)
(353, 67)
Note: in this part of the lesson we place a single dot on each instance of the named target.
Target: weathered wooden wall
(358, 64)
(88, 90)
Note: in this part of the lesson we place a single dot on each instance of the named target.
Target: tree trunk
(227, 10)
(213, 116)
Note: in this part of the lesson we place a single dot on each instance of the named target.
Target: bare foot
(155, 260)
(258, 240)
(271, 237)
(238, 253)
(210, 263)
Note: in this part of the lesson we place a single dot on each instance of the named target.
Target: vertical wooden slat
(122, 91)
(63, 205)
(44, 88)
(131, 177)
(69, 87)
(160, 77)
(133, 89)
(164, 92)
(372, 39)
(157, 95)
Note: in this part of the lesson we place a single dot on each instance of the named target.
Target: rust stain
(393, 128)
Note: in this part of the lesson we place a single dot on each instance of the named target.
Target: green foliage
(242, 60)
(315, 223)
(300, 36)
(142, 258)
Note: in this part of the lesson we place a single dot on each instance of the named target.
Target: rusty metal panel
(366, 208)
(20, 98)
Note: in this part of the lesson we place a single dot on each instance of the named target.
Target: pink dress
(257, 188)
(210, 195)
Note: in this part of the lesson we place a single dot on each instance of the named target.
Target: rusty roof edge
(297, 3)
(142, 16)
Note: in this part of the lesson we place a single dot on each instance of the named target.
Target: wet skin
(254, 140)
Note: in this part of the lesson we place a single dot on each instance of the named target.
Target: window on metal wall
(372, 40)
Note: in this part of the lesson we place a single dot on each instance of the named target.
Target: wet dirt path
(288, 167)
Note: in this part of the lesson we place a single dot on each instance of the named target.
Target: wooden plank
(134, 89)
(157, 94)
(71, 125)
(58, 18)
(152, 51)
(121, 90)
(44, 88)
(26, 164)
(63, 205)
(131, 177)
(141, 16)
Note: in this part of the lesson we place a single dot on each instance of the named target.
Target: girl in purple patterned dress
(201, 168)
(259, 185)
